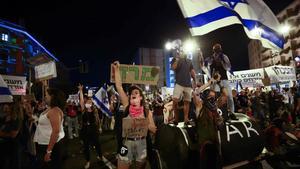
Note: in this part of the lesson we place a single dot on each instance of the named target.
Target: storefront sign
(137, 74)
(16, 84)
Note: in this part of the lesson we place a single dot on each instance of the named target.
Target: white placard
(74, 98)
(16, 84)
(278, 74)
(45, 71)
(248, 78)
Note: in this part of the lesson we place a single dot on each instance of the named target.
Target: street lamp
(168, 46)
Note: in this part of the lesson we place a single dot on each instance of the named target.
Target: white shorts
(185, 91)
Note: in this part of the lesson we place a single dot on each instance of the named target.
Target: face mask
(210, 104)
(88, 106)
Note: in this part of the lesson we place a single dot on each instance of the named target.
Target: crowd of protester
(32, 132)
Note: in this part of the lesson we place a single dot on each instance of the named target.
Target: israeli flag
(5, 94)
(204, 16)
(100, 99)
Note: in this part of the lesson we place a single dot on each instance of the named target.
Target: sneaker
(87, 165)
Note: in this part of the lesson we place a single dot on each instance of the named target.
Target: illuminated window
(4, 37)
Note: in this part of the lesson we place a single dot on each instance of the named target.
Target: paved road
(75, 156)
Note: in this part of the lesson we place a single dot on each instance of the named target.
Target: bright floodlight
(189, 46)
(285, 29)
(297, 59)
(168, 46)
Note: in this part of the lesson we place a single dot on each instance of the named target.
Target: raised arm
(81, 101)
(120, 90)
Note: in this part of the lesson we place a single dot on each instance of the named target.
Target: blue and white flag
(204, 16)
(100, 99)
(5, 94)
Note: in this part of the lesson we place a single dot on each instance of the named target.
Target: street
(75, 157)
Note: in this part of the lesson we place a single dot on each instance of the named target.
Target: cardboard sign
(16, 84)
(133, 128)
(279, 74)
(45, 71)
(137, 74)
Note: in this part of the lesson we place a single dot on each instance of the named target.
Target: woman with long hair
(134, 150)
(90, 127)
(49, 132)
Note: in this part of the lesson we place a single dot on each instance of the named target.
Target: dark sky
(101, 31)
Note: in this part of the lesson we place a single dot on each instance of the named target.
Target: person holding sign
(90, 127)
(136, 122)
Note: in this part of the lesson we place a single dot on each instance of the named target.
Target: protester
(72, 119)
(184, 71)
(220, 63)
(134, 108)
(11, 121)
(208, 121)
(27, 134)
(50, 132)
(90, 127)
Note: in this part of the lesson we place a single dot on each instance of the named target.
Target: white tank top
(43, 131)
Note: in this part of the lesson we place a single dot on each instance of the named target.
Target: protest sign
(45, 71)
(16, 84)
(248, 78)
(137, 74)
(133, 128)
(278, 74)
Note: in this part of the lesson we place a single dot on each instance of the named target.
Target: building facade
(261, 57)
(17, 47)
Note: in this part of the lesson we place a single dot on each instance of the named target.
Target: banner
(45, 71)
(16, 84)
(248, 78)
(278, 74)
(137, 74)
(5, 94)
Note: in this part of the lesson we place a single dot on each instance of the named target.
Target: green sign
(137, 74)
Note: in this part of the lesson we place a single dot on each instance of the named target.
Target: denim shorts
(137, 150)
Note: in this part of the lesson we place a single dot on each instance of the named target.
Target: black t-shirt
(88, 118)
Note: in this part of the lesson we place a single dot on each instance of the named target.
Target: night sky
(101, 31)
